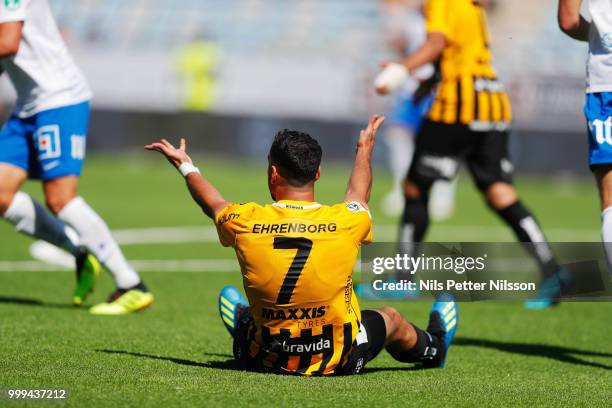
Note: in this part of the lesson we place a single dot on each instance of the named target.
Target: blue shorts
(598, 112)
(49, 144)
(410, 114)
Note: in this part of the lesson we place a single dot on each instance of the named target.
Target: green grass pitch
(178, 353)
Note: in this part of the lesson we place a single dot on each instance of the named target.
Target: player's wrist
(187, 168)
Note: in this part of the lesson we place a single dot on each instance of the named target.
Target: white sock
(31, 218)
(606, 234)
(97, 238)
(442, 199)
(400, 142)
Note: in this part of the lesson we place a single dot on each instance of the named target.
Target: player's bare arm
(570, 20)
(360, 183)
(428, 53)
(10, 37)
(202, 191)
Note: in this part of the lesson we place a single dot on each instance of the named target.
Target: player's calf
(11, 179)
(59, 192)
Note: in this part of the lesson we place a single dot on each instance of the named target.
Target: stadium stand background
(301, 63)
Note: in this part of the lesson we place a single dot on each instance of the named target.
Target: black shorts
(440, 148)
(368, 344)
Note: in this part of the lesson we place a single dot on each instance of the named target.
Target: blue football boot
(550, 290)
(443, 322)
(231, 306)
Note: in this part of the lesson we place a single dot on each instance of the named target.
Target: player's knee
(500, 195)
(6, 198)
(604, 180)
(412, 190)
(392, 319)
(57, 201)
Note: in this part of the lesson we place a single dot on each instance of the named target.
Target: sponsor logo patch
(12, 4)
(48, 141)
(293, 314)
(353, 207)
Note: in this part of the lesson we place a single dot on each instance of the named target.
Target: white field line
(149, 265)
(54, 260)
(382, 233)
(509, 265)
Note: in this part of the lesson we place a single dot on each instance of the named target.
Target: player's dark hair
(297, 155)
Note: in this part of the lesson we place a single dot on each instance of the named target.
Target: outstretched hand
(175, 156)
(367, 137)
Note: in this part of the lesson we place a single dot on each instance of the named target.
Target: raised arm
(360, 183)
(10, 37)
(571, 22)
(202, 191)
(428, 53)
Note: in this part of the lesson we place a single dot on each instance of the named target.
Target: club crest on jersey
(353, 207)
(47, 139)
(12, 4)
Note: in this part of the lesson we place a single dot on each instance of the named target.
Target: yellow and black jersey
(297, 264)
(469, 92)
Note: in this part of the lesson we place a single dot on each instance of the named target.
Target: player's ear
(274, 174)
(318, 174)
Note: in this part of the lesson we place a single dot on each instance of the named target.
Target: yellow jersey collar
(296, 205)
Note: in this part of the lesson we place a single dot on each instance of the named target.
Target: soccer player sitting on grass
(297, 258)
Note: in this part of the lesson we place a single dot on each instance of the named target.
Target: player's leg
(18, 208)
(603, 175)
(62, 199)
(598, 112)
(407, 343)
(492, 171)
(60, 142)
(442, 199)
(438, 148)
(28, 216)
(400, 143)
(399, 138)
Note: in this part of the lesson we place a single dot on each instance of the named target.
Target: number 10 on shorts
(602, 130)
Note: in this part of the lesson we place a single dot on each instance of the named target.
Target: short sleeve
(359, 222)
(585, 12)
(437, 17)
(13, 10)
(232, 220)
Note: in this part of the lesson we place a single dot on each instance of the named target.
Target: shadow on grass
(229, 364)
(562, 354)
(15, 300)
(410, 367)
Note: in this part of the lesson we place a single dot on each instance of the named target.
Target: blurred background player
(469, 120)
(406, 34)
(594, 25)
(45, 139)
(197, 63)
